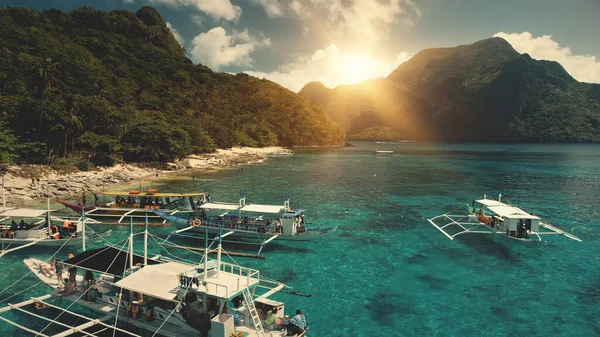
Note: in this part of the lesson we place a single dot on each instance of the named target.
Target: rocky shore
(25, 183)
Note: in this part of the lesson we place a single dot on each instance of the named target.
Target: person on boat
(72, 271)
(14, 225)
(297, 324)
(54, 232)
(271, 320)
(58, 270)
(118, 200)
(46, 269)
(22, 224)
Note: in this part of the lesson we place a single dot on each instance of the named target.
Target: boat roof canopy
(108, 259)
(23, 213)
(254, 208)
(506, 210)
(145, 194)
(160, 281)
(220, 205)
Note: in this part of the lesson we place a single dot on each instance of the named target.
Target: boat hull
(254, 236)
(245, 235)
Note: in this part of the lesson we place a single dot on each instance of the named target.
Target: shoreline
(43, 182)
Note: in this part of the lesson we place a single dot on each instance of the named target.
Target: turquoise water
(387, 272)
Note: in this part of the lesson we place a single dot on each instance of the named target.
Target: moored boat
(491, 216)
(136, 205)
(166, 296)
(253, 222)
(24, 227)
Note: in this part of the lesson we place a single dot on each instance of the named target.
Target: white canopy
(256, 208)
(491, 202)
(159, 280)
(511, 212)
(162, 281)
(24, 213)
(220, 205)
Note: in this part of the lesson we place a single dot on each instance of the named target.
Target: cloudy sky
(293, 42)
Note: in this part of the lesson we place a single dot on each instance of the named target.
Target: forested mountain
(485, 91)
(117, 84)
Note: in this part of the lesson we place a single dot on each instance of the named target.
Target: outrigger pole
(130, 243)
(204, 276)
(82, 228)
(146, 241)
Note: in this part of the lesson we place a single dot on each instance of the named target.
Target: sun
(356, 68)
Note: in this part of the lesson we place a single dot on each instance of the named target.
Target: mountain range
(482, 92)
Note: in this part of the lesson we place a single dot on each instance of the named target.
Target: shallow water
(386, 271)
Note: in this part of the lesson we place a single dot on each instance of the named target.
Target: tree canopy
(117, 84)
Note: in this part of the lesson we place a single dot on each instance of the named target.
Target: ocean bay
(386, 271)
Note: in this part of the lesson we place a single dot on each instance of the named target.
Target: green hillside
(117, 84)
(485, 91)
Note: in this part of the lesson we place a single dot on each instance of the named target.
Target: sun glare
(356, 68)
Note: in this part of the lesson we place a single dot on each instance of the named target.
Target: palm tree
(46, 72)
(75, 128)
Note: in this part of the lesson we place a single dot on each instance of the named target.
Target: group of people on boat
(14, 226)
(131, 201)
(292, 327)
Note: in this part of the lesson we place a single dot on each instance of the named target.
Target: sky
(337, 42)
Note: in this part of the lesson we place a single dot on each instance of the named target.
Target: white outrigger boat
(490, 216)
(137, 204)
(384, 152)
(280, 153)
(165, 296)
(40, 230)
(256, 223)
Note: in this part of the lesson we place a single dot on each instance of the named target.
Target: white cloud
(367, 19)
(176, 34)
(332, 67)
(217, 9)
(272, 7)
(216, 48)
(197, 19)
(584, 68)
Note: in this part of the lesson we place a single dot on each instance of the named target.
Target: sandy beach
(21, 185)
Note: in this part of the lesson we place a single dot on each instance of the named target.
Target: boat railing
(249, 273)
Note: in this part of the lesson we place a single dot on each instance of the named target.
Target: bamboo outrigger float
(490, 216)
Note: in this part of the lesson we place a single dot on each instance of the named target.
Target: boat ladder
(253, 313)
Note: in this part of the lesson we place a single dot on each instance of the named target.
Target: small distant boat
(384, 152)
(280, 153)
(490, 216)
(137, 205)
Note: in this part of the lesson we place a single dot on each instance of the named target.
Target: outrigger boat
(37, 227)
(280, 153)
(384, 152)
(165, 296)
(256, 223)
(137, 204)
(490, 216)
